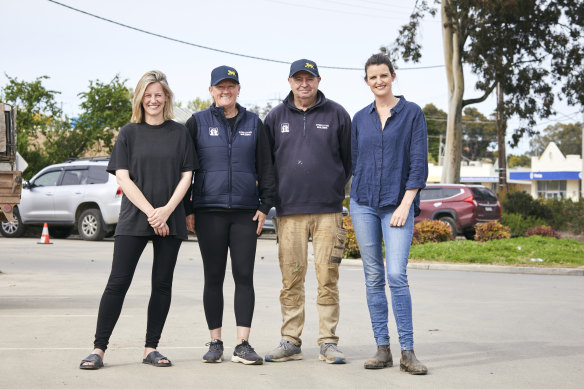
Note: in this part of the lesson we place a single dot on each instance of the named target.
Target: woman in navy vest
(231, 195)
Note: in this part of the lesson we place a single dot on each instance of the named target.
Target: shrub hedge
(542, 231)
(431, 231)
(491, 231)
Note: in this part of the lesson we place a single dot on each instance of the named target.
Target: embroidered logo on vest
(213, 131)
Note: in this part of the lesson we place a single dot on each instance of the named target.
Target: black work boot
(410, 363)
(381, 359)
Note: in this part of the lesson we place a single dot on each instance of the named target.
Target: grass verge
(516, 251)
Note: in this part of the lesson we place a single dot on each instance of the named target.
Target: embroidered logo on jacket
(285, 127)
(245, 133)
(213, 131)
(322, 126)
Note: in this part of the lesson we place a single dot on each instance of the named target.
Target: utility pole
(501, 129)
(440, 151)
(582, 156)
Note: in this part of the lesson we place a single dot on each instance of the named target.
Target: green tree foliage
(261, 111)
(525, 46)
(518, 161)
(568, 137)
(199, 104)
(46, 137)
(436, 124)
(37, 114)
(478, 134)
(105, 107)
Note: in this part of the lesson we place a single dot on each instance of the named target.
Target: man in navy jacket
(310, 137)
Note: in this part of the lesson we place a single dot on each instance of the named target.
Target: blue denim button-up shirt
(389, 162)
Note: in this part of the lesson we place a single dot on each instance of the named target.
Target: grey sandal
(92, 358)
(153, 359)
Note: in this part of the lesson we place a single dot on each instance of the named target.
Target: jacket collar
(320, 101)
(219, 111)
(401, 104)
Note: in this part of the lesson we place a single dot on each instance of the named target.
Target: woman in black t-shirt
(153, 160)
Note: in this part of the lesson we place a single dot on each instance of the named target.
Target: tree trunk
(455, 77)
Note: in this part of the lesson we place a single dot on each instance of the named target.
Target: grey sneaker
(245, 354)
(215, 353)
(286, 351)
(330, 353)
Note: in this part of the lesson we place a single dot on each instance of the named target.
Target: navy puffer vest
(227, 176)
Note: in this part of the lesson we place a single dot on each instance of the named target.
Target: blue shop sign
(545, 176)
(479, 179)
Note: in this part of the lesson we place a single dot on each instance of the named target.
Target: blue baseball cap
(305, 65)
(223, 73)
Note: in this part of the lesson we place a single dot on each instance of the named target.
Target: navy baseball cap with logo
(223, 73)
(304, 65)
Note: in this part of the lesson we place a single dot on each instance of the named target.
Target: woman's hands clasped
(157, 219)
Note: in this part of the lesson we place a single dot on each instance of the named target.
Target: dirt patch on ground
(571, 235)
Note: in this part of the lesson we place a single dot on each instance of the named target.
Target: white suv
(76, 194)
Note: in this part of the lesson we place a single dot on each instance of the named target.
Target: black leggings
(127, 251)
(218, 231)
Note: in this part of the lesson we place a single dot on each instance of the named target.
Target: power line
(361, 6)
(214, 49)
(331, 10)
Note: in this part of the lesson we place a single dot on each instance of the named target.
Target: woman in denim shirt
(389, 145)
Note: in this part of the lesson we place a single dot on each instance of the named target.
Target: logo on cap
(230, 73)
(309, 65)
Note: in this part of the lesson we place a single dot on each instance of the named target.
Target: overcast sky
(43, 38)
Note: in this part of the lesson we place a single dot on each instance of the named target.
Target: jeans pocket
(338, 246)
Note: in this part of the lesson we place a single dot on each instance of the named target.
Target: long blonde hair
(147, 79)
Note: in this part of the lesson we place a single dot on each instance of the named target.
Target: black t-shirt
(155, 157)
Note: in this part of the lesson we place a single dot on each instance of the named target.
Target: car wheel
(451, 223)
(470, 235)
(60, 232)
(90, 225)
(13, 229)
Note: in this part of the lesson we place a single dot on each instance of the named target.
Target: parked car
(269, 224)
(76, 194)
(461, 206)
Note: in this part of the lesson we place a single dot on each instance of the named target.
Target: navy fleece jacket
(311, 151)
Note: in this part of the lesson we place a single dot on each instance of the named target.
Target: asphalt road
(472, 329)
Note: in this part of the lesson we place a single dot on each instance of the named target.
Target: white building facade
(552, 175)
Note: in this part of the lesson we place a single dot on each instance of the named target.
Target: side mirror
(27, 185)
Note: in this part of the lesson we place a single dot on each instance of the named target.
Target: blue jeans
(370, 226)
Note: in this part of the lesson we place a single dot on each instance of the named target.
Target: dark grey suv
(76, 194)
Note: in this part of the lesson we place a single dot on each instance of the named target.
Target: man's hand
(191, 223)
(261, 219)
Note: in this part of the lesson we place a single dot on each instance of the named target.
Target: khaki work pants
(328, 240)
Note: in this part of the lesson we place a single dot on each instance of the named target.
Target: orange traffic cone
(45, 235)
